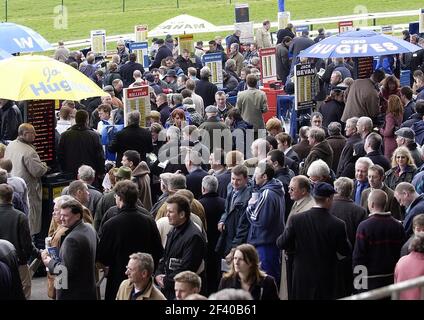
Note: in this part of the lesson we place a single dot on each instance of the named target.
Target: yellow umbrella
(43, 78)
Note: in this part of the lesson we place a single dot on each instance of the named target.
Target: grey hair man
(139, 285)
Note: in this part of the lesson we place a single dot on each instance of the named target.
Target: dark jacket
(347, 153)
(267, 214)
(302, 149)
(235, 220)
(391, 178)
(208, 129)
(337, 144)
(415, 208)
(264, 289)
(322, 151)
(127, 70)
(161, 54)
(194, 182)
(352, 214)
(184, 64)
(319, 240)
(331, 112)
(78, 255)
(165, 112)
(224, 180)
(282, 62)
(78, 146)
(214, 208)
(128, 232)
(14, 228)
(10, 120)
(412, 119)
(185, 250)
(9, 257)
(378, 158)
(378, 242)
(286, 32)
(207, 91)
(132, 137)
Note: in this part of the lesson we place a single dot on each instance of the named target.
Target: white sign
(283, 19)
(214, 62)
(268, 64)
(98, 42)
(246, 29)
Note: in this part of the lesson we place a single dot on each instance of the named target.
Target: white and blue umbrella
(15, 38)
(362, 43)
(4, 54)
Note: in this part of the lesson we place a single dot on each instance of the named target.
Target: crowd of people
(208, 196)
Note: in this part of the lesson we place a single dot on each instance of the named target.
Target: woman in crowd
(390, 86)
(410, 267)
(403, 168)
(392, 122)
(245, 274)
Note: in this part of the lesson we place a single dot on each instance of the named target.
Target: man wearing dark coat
(10, 120)
(195, 175)
(162, 53)
(372, 147)
(377, 248)
(320, 149)
(282, 59)
(132, 137)
(185, 246)
(286, 32)
(336, 142)
(319, 241)
(130, 231)
(127, 70)
(353, 137)
(80, 145)
(206, 89)
(77, 256)
(214, 208)
(9, 257)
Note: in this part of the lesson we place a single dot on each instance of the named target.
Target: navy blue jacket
(416, 207)
(266, 216)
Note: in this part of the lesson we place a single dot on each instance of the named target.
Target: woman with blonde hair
(403, 168)
(246, 274)
(392, 122)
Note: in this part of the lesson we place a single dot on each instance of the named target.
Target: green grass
(87, 15)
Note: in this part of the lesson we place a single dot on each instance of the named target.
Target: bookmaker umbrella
(43, 78)
(362, 43)
(16, 38)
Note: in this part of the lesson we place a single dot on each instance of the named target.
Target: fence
(311, 22)
(392, 291)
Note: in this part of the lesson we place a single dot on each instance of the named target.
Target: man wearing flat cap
(319, 241)
(406, 137)
(171, 80)
(212, 129)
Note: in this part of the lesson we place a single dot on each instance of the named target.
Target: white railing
(392, 291)
(310, 22)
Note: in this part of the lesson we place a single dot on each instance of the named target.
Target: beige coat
(239, 59)
(252, 103)
(151, 292)
(141, 175)
(301, 205)
(28, 166)
(263, 38)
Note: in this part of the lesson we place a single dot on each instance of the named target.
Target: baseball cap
(323, 189)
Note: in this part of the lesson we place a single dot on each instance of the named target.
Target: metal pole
(178, 4)
(5, 7)
(123, 5)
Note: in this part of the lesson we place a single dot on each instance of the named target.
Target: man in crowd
(375, 179)
(77, 256)
(28, 166)
(139, 285)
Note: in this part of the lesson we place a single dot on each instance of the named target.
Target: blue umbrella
(15, 38)
(4, 54)
(362, 43)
